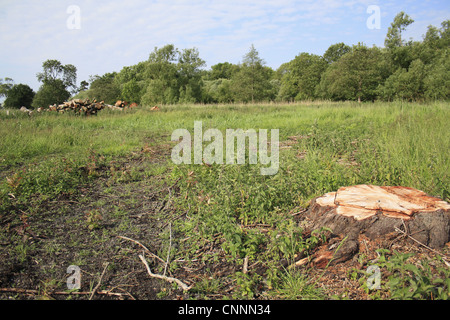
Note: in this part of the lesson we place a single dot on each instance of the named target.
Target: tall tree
(104, 88)
(84, 85)
(252, 81)
(5, 85)
(301, 77)
(223, 70)
(189, 74)
(400, 51)
(132, 82)
(217, 83)
(161, 74)
(49, 93)
(58, 81)
(131, 91)
(19, 95)
(394, 34)
(335, 52)
(405, 84)
(444, 32)
(355, 76)
(55, 70)
(437, 79)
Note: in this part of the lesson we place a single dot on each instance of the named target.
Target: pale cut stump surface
(375, 211)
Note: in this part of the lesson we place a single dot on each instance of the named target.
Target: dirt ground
(37, 249)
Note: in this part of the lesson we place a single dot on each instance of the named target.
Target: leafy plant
(247, 284)
(413, 281)
(93, 219)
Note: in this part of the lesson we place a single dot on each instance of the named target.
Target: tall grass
(323, 146)
(391, 143)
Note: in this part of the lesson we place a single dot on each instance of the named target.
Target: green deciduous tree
(104, 88)
(5, 85)
(221, 70)
(19, 95)
(399, 50)
(355, 76)
(394, 34)
(444, 32)
(405, 84)
(55, 70)
(217, 83)
(217, 91)
(58, 81)
(420, 69)
(161, 74)
(84, 85)
(51, 92)
(301, 77)
(437, 79)
(189, 75)
(335, 52)
(132, 82)
(131, 91)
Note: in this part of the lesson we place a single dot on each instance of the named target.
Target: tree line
(401, 70)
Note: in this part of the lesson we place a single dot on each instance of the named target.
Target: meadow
(72, 187)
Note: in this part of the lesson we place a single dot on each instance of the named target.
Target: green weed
(404, 280)
(324, 146)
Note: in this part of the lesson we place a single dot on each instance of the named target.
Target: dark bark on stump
(376, 212)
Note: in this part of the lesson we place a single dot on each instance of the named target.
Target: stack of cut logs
(88, 107)
(79, 106)
(119, 105)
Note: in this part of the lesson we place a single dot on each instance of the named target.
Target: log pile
(121, 104)
(25, 110)
(84, 106)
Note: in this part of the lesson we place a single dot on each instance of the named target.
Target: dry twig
(417, 241)
(299, 212)
(245, 267)
(143, 247)
(184, 286)
(168, 251)
(99, 281)
(37, 292)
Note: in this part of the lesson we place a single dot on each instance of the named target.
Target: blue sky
(113, 34)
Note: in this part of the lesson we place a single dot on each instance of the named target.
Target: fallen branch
(184, 286)
(143, 247)
(37, 292)
(99, 281)
(417, 241)
(168, 251)
(300, 262)
(245, 267)
(299, 212)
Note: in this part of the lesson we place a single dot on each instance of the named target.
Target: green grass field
(80, 182)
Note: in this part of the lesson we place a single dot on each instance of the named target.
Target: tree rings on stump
(376, 211)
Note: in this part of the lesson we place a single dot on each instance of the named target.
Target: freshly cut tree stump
(376, 211)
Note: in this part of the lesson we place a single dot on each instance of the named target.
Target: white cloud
(118, 33)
